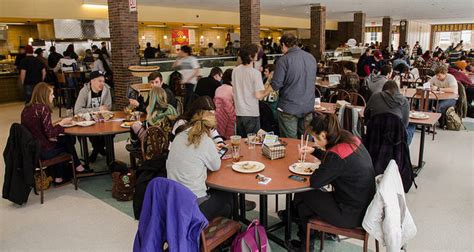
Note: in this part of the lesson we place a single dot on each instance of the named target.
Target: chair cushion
(219, 230)
(356, 233)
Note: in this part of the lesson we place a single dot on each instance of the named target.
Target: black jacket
(207, 87)
(146, 172)
(21, 156)
(386, 139)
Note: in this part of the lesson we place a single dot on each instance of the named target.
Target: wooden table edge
(259, 192)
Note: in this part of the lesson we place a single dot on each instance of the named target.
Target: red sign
(180, 37)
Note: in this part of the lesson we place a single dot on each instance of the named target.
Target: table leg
(242, 206)
(263, 210)
(109, 149)
(85, 151)
(235, 206)
(422, 149)
(288, 217)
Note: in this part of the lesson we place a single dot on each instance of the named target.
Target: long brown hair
(201, 123)
(41, 94)
(334, 133)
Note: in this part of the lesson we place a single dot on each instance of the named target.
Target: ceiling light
(218, 27)
(190, 26)
(3, 24)
(165, 37)
(157, 25)
(95, 6)
(269, 37)
(218, 37)
(279, 38)
(143, 37)
(202, 36)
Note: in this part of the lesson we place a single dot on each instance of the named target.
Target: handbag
(46, 181)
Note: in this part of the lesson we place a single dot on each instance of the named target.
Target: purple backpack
(254, 239)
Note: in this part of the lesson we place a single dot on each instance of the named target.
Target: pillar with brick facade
(123, 26)
(387, 32)
(403, 32)
(359, 27)
(249, 21)
(318, 30)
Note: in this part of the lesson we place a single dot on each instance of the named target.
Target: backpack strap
(262, 237)
(250, 241)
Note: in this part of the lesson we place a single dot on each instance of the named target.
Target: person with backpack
(443, 81)
(347, 166)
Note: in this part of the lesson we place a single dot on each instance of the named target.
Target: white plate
(419, 116)
(299, 168)
(320, 108)
(248, 167)
(85, 123)
(69, 125)
(126, 125)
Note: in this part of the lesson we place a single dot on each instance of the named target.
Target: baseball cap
(29, 49)
(39, 50)
(378, 55)
(96, 74)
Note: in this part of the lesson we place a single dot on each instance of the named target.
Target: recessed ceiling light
(190, 26)
(156, 25)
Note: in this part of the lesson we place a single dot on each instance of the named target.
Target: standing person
(294, 78)
(89, 57)
(21, 55)
(150, 52)
(347, 166)
(94, 96)
(72, 53)
(225, 109)
(248, 90)
(104, 50)
(189, 69)
(36, 117)
(210, 50)
(66, 63)
(32, 71)
(53, 57)
(207, 86)
(192, 155)
(40, 56)
(417, 51)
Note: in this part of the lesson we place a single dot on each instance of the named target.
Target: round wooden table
(227, 179)
(441, 96)
(107, 129)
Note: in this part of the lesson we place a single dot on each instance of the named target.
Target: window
(466, 36)
(444, 36)
(373, 36)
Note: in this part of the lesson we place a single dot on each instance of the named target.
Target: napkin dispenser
(274, 150)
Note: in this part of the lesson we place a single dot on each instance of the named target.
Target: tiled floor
(71, 220)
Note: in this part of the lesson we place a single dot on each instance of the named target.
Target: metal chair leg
(41, 184)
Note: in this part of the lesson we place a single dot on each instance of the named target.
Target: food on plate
(248, 166)
(128, 124)
(304, 167)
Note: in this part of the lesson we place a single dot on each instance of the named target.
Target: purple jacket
(170, 213)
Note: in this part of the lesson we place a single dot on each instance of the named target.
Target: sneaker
(132, 147)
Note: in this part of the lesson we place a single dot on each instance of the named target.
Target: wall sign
(132, 4)
(180, 37)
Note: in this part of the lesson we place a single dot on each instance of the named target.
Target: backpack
(254, 239)
(453, 121)
(123, 181)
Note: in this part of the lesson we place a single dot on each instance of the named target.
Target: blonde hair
(157, 100)
(201, 123)
(41, 94)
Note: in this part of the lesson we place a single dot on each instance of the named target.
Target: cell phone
(223, 151)
(132, 93)
(297, 178)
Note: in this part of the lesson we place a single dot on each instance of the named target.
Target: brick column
(403, 32)
(318, 31)
(123, 26)
(386, 31)
(359, 27)
(249, 21)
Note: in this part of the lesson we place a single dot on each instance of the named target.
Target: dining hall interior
(250, 125)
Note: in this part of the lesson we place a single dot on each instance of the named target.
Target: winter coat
(387, 218)
(225, 111)
(21, 155)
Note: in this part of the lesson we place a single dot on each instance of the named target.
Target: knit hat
(96, 74)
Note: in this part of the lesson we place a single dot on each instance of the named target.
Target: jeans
(64, 144)
(28, 89)
(410, 132)
(219, 203)
(247, 124)
(292, 126)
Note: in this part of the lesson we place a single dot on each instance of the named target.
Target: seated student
(400, 64)
(225, 110)
(36, 117)
(373, 63)
(159, 113)
(65, 64)
(350, 80)
(443, 81)
(94, 96)
(156, 80)
(201, 103)
(390, 100)
(207, 86)
(192, 154)
(375, 81)
(347, 166)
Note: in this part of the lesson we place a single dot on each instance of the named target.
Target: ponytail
(201, 124)
(334, 133)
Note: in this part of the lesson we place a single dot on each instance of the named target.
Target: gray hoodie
(84, 99)
(376, 82)
(385, 102)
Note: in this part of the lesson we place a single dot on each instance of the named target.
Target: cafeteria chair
(355, 233)
(339, 94)
(153, 146)
(357, 99)
(218, 231)
(420, 101)
(44, 164)
(64, 93)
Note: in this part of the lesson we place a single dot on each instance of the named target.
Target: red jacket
(225, 111)
(37, 119)
(460, 77)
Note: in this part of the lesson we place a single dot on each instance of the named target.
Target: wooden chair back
(155, 144)
(420, 101)
(357, 99)
(340, 94)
